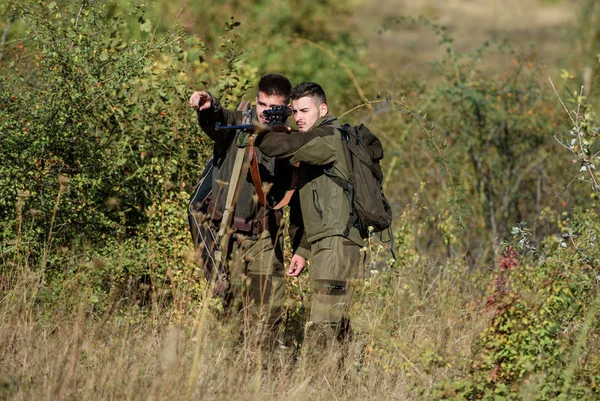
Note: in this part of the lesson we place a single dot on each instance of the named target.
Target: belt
(246, 225)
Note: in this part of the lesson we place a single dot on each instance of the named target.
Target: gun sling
(255, 173)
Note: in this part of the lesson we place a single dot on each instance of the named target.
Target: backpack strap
(346, 185)
(348, 188)
(392, 243)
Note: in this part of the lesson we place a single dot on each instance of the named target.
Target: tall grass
(414, 324)
(133, 319)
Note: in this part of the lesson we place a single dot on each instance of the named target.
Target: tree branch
(12, 18)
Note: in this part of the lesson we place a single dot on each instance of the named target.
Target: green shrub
(98, 140)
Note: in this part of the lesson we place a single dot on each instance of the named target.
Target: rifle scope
(277, 115)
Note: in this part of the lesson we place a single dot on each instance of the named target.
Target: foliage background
(490, 174)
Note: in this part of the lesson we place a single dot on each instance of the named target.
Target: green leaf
(146, 26)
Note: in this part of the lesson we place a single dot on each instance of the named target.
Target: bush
(98, 141)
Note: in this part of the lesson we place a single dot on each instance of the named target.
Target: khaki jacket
(324, 205)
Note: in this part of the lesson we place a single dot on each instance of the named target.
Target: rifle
(275, 116)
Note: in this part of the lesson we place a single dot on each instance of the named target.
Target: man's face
(264, 102)
(307, 112)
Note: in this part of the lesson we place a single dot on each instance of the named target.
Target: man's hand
(296, 266)
(244, 139)
(200, 101)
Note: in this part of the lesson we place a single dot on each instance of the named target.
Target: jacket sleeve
(217, 114)
(300, 245)
(316, 146)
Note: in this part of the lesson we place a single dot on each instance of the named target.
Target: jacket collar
(327, 119)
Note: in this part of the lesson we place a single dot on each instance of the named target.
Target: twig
(562, 144)
(577, 126)
(79, 14)
(331, 388)
(561, 102)
(5, 34)
(367, 104)
(432, 139)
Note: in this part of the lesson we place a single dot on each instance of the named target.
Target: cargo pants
(335, 262)
(257, 275)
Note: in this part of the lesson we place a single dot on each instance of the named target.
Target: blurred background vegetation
(490, 174)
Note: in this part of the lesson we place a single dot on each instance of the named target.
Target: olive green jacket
(325, 206)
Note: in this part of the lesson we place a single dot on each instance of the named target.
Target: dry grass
(416, 325)
(414, 330)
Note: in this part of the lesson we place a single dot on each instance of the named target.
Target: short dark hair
(309, 89)
(275, 85)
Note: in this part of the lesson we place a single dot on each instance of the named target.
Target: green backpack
(370, 211)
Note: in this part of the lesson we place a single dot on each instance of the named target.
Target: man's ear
(323, 109)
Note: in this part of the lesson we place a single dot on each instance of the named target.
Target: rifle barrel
(218, 126)
(248, 127)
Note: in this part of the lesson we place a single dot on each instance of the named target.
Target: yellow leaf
(566, 75)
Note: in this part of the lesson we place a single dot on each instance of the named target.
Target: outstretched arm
(201, 101)
(211, 112)
(316, 146)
